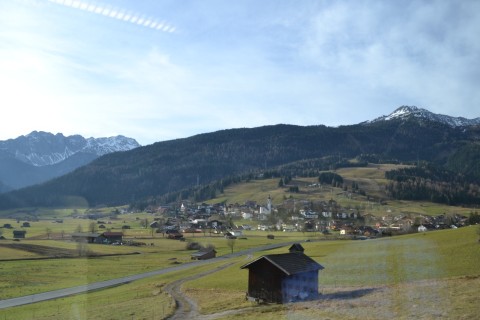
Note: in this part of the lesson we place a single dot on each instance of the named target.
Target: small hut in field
(204, 254)
(19, 234)
(282, 278)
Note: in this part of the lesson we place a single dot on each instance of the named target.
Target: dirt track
(187, 308)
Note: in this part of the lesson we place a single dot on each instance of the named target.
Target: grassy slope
(434, 262)
(385, 277)
(371, 179)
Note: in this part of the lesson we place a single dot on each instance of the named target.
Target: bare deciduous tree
(92, 227)
(49, 232)
(231, 244)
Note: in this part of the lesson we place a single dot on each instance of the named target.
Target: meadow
(33, 275)
(437, 271)
(428, 275)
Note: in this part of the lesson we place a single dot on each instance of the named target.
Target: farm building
(106, 237)
(110, 237)
(87, 237)
(282, 278)
(155, 224)
(204, 254)
(19, 234)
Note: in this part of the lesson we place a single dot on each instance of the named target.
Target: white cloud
(412, 49)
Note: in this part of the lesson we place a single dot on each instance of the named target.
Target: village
(231, 220)
(295, 216)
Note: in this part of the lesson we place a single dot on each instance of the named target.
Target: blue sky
(159, 70)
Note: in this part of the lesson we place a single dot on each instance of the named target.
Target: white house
(247, 215)
(422, 228)
(326, 214)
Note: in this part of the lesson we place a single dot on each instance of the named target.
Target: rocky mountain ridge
(40, 156)
(40, 148)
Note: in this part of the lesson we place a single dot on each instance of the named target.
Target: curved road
(13, 302)
(187, 308)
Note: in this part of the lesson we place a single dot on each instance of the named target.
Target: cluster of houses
(292, 215)
(304, 216)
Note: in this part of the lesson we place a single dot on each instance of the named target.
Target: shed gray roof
(203, 252)
(288, 263)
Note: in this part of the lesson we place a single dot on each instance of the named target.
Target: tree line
(432, 183)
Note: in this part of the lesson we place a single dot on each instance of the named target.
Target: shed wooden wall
(265, 282)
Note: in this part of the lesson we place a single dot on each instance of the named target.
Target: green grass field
(23, 277)
(429, 265)
(433, 263)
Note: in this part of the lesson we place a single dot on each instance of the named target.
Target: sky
(158, 70)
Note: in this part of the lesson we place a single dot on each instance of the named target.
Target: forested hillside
(167, 167)
(433, 183)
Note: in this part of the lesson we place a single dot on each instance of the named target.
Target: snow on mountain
(405, 112)
(101, 146)
(43, 148)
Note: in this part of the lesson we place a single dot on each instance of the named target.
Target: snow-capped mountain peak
(44, 148)
(405, 112)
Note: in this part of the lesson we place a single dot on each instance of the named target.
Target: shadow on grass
(345, 295)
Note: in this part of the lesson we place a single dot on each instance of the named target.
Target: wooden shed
(87, 237)
(282, 278)
(110, 237)
(204, 254)
(19, 234)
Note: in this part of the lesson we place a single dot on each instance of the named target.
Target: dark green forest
(433, 183)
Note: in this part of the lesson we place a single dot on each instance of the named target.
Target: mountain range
(41, 156)
(149, 173)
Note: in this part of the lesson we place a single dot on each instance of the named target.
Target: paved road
(7, 303)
